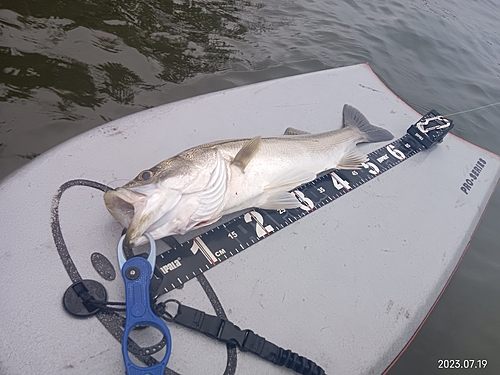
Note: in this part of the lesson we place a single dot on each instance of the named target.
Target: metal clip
(422, 123)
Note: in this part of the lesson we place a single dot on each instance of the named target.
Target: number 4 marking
(339, 183)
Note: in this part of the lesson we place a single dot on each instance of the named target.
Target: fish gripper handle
(136, 273)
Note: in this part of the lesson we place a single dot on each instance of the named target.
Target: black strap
(227, 332)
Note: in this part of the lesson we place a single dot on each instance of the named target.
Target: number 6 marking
(395, 152)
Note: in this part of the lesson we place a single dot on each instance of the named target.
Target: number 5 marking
(372, 168)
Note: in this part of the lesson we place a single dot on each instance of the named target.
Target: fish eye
(146, 175)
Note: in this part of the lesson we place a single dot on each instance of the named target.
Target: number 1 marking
(198, 244)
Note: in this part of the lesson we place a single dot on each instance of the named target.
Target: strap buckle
(228, 332)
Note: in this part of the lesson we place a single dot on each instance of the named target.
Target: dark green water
(66, 67)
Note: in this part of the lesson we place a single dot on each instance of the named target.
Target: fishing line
(473, 109)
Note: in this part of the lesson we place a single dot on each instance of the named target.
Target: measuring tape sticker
(193, 257)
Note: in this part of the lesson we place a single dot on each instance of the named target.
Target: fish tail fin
(371, 133)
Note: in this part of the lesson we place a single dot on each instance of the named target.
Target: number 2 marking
(260, 229)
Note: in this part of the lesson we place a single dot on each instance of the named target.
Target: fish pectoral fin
(247, 152)
(352, 159)
(290, 179)
(279, 200)
(294, 131)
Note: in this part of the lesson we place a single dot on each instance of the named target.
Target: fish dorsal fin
(352, 159)
(294, 131)
(247, 152)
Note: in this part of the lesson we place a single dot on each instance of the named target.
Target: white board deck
(346, 286)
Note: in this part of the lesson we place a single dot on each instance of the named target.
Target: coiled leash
(145, 280)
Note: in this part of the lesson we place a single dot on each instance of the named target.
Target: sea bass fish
(200, 185)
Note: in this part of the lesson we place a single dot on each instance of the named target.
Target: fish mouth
(127, 207)
(142, 209)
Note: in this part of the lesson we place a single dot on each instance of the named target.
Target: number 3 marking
(309, 204)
